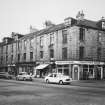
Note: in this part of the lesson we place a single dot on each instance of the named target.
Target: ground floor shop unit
(77, 70)
(42, 70)
(16, 68)
(82, 70)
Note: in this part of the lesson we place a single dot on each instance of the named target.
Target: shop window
(59, 66)
(66, 65)
(59, 70)
(66, 71)
(85, 66)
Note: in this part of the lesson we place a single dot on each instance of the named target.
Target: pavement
(89, 83)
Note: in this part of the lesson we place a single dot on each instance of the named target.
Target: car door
(20, 76)
(55, 78)
(50, 78)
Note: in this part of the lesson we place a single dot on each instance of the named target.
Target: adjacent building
(75, 47)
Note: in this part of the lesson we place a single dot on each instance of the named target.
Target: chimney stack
(80, 15)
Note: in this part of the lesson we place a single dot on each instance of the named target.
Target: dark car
(5, 75)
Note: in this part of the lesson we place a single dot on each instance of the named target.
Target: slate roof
(84, 23)
(88, 23)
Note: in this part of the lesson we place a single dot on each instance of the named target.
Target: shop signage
(12, 65)
(79, 62)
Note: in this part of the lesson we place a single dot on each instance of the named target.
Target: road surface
(34, 93)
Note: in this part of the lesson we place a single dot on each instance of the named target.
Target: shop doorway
(75, 72)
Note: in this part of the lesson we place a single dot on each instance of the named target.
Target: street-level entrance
(75, 72)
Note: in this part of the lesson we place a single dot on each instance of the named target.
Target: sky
(18, 15)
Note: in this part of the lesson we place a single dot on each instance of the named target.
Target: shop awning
(42, 66)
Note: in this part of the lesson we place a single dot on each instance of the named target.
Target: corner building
(75, 47)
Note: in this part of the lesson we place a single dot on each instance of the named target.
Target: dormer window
(67, 21)
(103, 25)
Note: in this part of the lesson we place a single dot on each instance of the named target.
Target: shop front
(25, 67)
(92, 72)
(41, 70)
(12, 69)
(3, 68)
(82, 70)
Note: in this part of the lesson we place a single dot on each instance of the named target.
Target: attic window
(67, 21)
(103, 25)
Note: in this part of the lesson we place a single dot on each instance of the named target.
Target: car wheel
(61, 82)
(17, 78)
(24, 79)
(30, 79)
(47, 81)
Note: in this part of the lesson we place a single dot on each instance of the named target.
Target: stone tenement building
(75, 47)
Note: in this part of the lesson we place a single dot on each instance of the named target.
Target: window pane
(52, 38)
(64, 36)
(82, 34)
(64, 53)
(81, 54)
(41, 54)
(24, 56)
(51, 53)
(41, 41)
(31, 55)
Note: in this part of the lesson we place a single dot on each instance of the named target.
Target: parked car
(6, 75)
(24, 76)
(58, 78)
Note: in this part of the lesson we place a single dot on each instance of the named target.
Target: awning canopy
(42, 66)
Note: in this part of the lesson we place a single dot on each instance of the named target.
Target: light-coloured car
(58, 78)
(24, 76)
